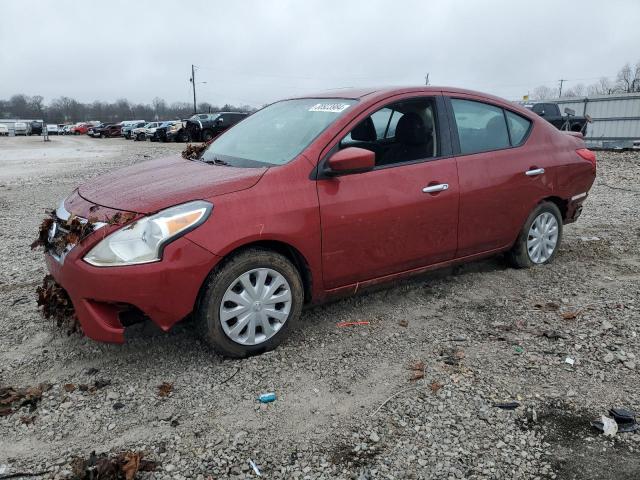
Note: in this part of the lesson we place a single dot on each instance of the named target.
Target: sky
(254, 52)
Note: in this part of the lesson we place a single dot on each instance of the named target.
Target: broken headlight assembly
(143, 240)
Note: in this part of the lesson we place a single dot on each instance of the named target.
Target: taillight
(588, 155)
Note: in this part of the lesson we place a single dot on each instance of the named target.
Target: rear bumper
(164, 291)
(574, 207)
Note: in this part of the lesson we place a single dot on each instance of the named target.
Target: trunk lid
(156, 184)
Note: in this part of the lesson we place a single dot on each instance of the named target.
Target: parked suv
(204, 126)
(21, 128)
(36, 127)
(316, 197)
(142, 133)
(127, 130)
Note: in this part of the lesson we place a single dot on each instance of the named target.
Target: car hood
(156, 184)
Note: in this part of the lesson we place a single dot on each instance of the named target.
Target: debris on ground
(435, 387)
(507, 405)
(124, 465)
(97, 385)
(403, 322)
(571, 315)
(194, 151)
(28, 419)
(56, 305)
(12, 399)
(417, 370)
(623, 421)
(547, 307)
(452, 356)
(255, 468)
(267, 397)
(164, 389)
(351, 324)
(606, 425)
(570, 361)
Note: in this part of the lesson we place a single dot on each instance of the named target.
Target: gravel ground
(347, 406)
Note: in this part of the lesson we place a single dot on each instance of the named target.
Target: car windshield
(276, 134)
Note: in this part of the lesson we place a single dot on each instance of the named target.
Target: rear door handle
(533, 172)
(436, 188)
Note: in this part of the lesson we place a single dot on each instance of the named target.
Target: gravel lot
(484, 333)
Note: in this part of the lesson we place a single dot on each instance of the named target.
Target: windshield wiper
(216, 161)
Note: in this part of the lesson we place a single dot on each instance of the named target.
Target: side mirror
(541, 113)
(351, 160)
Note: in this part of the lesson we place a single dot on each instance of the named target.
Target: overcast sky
(253, 52)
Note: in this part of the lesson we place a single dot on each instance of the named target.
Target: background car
(161, 131)
(4, 130)
(140, 133)
(36, 127)
(127, 130)
(95, 131)
(205, 126)
(20, 128)
(52, 129)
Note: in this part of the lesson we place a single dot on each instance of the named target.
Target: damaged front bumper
(164, 291)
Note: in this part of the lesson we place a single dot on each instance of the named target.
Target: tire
(183, 137)
(220, 283)
(207, 135)
(520, 255)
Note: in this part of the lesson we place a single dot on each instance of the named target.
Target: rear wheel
(539, 238)
(207, 135)
(250, 303)
(183, 136)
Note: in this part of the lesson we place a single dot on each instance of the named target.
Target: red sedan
(316, 197)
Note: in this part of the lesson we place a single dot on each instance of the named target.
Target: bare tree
(576, 91)
(544, 93)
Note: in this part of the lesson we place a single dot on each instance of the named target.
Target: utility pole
(561, 82)
(193, 84)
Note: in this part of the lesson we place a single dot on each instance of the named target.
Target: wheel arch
(288, 251)
(560, 203)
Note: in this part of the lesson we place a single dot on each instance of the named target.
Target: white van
(20, 128)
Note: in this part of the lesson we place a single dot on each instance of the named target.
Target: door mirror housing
(351, 160)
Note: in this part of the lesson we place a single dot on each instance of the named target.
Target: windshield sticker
(329, 107)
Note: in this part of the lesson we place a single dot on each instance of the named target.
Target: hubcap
(543, 237)
(255, 306)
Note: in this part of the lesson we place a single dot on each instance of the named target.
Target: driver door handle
(436, 188)
(533, 172)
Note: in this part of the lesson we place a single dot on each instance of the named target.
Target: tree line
(627, 81)
(68, 110)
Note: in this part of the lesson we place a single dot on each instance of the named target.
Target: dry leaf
(571, 315)
(132, 465)
(165, 389)
(435, 386)
(69, 387)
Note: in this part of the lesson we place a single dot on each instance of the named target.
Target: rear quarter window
(518, 128)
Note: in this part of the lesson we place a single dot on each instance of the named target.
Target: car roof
(381, 92)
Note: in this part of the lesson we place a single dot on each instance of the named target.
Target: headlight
(143, 240)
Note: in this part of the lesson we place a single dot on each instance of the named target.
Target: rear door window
(481, 127)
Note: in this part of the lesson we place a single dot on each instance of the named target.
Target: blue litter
(267, 397)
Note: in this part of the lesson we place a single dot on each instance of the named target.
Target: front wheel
(539, 238)
(250, 303)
